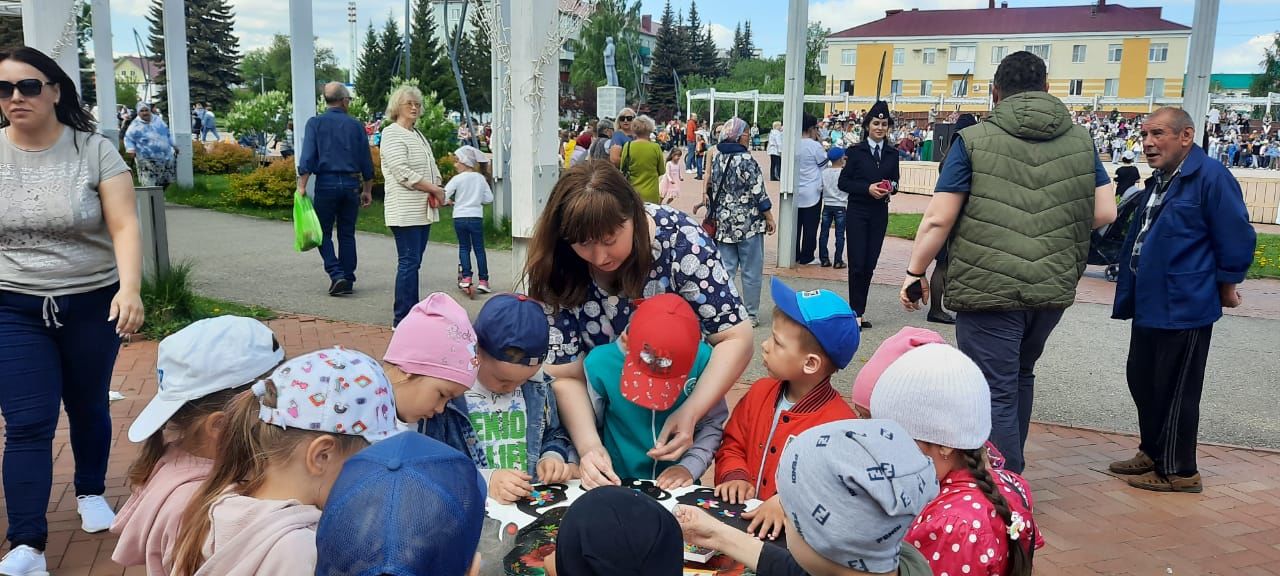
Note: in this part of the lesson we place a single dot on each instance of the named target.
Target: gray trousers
(1006, 346)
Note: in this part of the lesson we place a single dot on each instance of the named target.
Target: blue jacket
(1201, 238)
(544, 433)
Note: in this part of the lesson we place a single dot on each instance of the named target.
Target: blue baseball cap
(826, 315)
(405, 506)
(513, 328)
(835, 154)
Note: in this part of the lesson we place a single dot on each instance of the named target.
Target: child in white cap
(469, 190)
(280, 452)
(199, 370)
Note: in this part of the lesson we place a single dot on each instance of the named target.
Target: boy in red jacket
(815, 334)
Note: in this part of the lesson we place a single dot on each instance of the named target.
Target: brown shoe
(1139, 464)
(1154, 482)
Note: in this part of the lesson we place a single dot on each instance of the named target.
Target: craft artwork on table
(646, 487)
(533, 544)
(731, 514)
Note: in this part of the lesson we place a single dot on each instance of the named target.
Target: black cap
(879, 111)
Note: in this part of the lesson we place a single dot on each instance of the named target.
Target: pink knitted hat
(891, 349)
(436, 339)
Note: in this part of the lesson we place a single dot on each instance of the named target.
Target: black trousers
(865, 225)
(1166, 376)
(775, 167)
(807, 232)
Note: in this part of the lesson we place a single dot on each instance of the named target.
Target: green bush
(171, 303)
(271, 186)
(221, 158)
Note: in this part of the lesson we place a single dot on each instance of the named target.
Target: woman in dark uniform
(870, 163)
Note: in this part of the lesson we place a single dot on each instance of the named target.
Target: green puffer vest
(1023, 237)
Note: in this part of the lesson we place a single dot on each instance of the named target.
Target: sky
(1245, 27)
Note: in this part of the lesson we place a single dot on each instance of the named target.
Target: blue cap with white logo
(826, 315)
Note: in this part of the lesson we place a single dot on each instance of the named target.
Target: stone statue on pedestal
(610, 69)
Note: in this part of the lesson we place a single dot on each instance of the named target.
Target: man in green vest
(1015, 201)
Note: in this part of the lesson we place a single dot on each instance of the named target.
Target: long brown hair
(591, 201)
(183, 425)
(245, 449)
(1020, 556)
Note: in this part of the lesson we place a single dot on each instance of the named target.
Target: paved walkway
(1094, 523)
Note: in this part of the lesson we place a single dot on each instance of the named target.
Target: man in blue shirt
(336, 150)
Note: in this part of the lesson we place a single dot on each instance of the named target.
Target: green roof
(1232, 82)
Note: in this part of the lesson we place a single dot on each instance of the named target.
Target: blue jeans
(699, 163)
(210, 130)
(691, 149)
(46, 365)
(470, 233)
(749, 256)
(337, 201)
(831, 214)
(411, 243)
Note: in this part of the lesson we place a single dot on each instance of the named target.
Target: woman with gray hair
(642, 161)
(735, 197)
(599, 149)
(412, 192)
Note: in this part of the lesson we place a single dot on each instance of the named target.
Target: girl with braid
(980, 522)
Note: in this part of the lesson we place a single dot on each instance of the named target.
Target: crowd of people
(616, 363)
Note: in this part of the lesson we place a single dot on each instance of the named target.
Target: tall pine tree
(663, 98)
(213, 51)
(735, 53)
(371, 77)
(475, 59)
(10, 31)
(84, 35)
(429, 59)
(703, 57)
(748, 42)
(391, 53)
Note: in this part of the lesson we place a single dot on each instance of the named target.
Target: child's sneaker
(464, 282)
(24, 561)
(484, 287)
(95, 514)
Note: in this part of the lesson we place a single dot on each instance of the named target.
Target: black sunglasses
(620, 118)
(30, 87)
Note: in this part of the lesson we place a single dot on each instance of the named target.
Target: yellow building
(138, 74)
(1101, 49)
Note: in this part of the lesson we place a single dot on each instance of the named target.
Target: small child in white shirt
(834, 203)
(469, 191)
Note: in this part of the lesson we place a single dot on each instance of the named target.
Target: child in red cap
(641, 380)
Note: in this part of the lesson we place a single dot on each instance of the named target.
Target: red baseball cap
(662, 345)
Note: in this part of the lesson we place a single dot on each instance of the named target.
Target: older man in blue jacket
(1188, 249)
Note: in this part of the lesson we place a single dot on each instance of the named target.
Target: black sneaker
(826, 263)
(339, 287)
(841, 266)
(350, 289)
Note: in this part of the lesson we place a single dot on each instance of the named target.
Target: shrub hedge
(271, 186)
(221, 158)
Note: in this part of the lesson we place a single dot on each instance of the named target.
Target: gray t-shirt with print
(53, 237)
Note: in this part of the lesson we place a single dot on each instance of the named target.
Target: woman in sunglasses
(69, 290)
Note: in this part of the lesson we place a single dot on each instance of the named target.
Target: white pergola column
(44, 23)
(500, 140)
(1195, 101)
(302, 64)
(104, 65)
(535, 164)
(792, 112)
(711, 117)
(175, 65)
(755, 109)
(688, 104)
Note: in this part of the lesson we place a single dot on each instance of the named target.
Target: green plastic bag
(306, 225)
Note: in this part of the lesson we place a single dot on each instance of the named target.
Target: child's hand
(674, 477)
(768, 518)
(735, 491)
(699, 528)
(597, 470)
(507, 486)
(553, 470)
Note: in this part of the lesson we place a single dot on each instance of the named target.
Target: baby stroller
(1106, 243)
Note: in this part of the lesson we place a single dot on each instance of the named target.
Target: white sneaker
(24, 561)
(95, 514)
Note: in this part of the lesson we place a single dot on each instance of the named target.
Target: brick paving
(1093, 522)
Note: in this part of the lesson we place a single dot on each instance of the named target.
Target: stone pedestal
(610, 100)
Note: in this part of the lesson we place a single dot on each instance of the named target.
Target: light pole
(351, 41)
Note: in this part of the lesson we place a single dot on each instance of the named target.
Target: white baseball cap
(209, 356)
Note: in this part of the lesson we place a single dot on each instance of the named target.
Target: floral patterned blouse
(685, 262)
(738, 195)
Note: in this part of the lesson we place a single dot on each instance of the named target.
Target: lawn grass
(209, 188)
(1266, 258)
(171, 303)
(904, 225)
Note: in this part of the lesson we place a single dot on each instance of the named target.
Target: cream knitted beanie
(938, 395)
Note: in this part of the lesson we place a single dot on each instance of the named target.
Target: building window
(1155, 87)
(1111, 87)
(899, 56)
(958, 88)
(963, 53)
(1078, 53)
(1158, 53)
(1076, 88)
(822, 56)
(1041, 50)
(998, 53)
(930, 55)
(848, 57)
(926, 87)
(895, 87)
(846, 86)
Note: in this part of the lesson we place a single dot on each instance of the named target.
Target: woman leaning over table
(412, 179)
(70, 277)
(596, 249)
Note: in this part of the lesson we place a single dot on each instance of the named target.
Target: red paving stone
(1093, 523)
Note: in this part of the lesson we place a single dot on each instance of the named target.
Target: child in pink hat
(891, 349)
